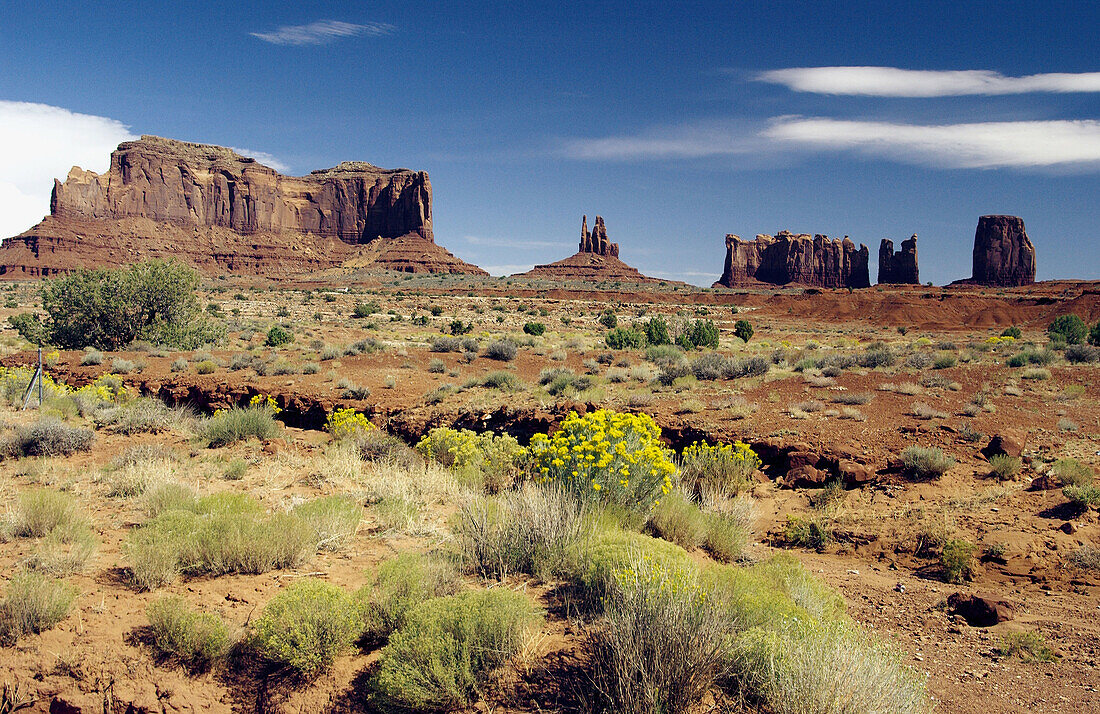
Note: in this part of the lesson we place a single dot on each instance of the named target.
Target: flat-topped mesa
(1003, 254)
(898, 268)
(795, 258)
(596, 241)
(198, 184)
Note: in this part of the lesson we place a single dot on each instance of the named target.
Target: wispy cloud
(677, 142)
(896, 82)
(39, 143)
(983, 145)
(322, 32)
(490, 242)
(264, 158)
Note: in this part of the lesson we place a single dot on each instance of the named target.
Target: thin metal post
(40, 377)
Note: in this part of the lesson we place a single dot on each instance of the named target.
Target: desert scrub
(140, 416)
(196, 639)
(530, 530)
(333, 520)
(32, 603)
(926, 462)
(1028, 646)
(592, 562)
(1083, 497)
(308, 625)
(228, 426)
(401, 584)
(1004, 467)
(727, 468)
(217, 534)
(678, 520)
(729, 526)
(957, 559)
(48, 436)
(41, 511)
(347, 423)
(807, 532)
(663, 642)
(1071, 472)
(608, 457)
(450, 647)
(501, 350)
(490, 461)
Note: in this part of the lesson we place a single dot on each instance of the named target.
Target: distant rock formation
(596, 241)
(898, 268)
(795, 258)
(597, 260)
(1003, 254)
(217, 210)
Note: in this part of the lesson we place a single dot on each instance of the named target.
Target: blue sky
(678, 123)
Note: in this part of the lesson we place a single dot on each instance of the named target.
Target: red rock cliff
(795, 258)
(197, 184)
(898, 268)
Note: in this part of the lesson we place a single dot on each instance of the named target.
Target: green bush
(1004, 467)
(1084, 496)
(197, 639)
(1028, 646)
(1013, 332)
(608, 319)
(700, 333)
(502, 350)
(42, 511)
(365, 309)
(1071, 472)
(945, 360)
(592, 562)
(625, 338)
(449, 648)
(807, 533)
(29, 326)
(656, 333)
(278, 336)
(1094, 334)
(401, 584)
(957, 559)
(729, 530)
(237, 424)
(32, 603)
(109, 308)
(1070, 329)
(677, 519)
(743, 329)
(534, 328)
(926, 462)
(308, 625)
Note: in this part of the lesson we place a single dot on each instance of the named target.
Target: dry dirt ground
(879, 558)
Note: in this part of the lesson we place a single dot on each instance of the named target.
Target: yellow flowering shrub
(607, 456)
(725, 467)
(494, 460)
(265, 400)
(347, 422)
(15, 380)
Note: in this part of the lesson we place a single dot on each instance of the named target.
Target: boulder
(980, 610)
(898, 268)
(1003, 253)
(854, 473)
(806, 477)
(797, 459)
(795, 258)
(1010, 444)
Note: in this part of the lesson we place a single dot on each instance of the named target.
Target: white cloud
(39, 143)
(264, 158)
(679, 142)
(322, 32)
(983, 145)
(504, 270)
(896, 82)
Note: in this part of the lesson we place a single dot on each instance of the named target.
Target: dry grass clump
(1071, 472)
(333, 519)
(135, 477)
(1004, 467)
(853, 398)
(1087, 557)
(46, 437)
(925, 463)
(852, 413)
(925, 411)
(32, 603)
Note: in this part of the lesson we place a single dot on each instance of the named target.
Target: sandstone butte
(225, 213)
(795, 258)
(1003, 254)
(898, 268)
(596, 260)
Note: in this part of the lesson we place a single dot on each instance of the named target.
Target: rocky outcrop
(898, 268)
(596, 261)
(172, 181)
(1003, 254)
(795, 258)
(222, 212)
(596, 241)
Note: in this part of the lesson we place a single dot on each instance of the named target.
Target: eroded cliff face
(179, 182)
(596, 241)
(596, 260)
(1003, 253)
(898, 268)
(221, 212)
(795, 258)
